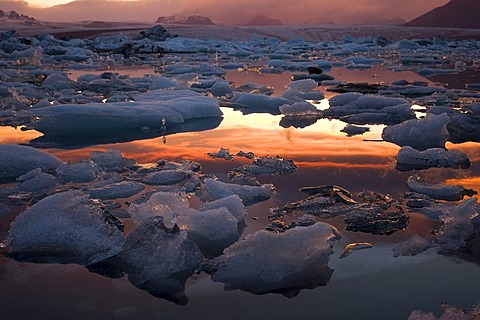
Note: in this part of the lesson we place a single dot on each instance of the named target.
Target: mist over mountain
(455, 14)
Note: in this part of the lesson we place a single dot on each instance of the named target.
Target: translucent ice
(66, 228)
(160, 259)
(412, 246)
(111, 160)
(422, 134)
(277, 262)
(212, 229)
(233, 203)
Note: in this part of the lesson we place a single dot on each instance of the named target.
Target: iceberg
(213, 228)
(85, 171)
(36, 180)
(111, 160)
(410, 159)
(159, 259)
(283, 263)
(16, 160)
(117, 190)
(249, 194)
(166, 177)
(152, 110)
(66, 228)
(439, 191)
(421, 134)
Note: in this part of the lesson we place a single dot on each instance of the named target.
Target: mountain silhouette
(455, 14)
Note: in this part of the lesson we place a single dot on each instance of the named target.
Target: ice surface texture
(422, 134)
(277, 262)
(17, 160)
(160, 259)
(66, 228)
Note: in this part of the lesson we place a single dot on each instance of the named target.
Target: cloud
(231, 12)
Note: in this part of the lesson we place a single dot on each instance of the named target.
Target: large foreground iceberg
(277, 262)
(66, 228)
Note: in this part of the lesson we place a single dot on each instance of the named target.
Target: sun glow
(47, 3)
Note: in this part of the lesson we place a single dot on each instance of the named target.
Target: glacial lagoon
(281, 258)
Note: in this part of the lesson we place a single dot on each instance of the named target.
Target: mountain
(190, 20)
(262, 20)
(455, 14)
(12, 15)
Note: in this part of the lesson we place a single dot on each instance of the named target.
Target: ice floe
(421, 134)
(410, 159)
(16, 160)
(259, 264)
(439, 191)
(66, 228)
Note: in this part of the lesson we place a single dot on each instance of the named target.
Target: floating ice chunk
(248, 155)
(259, 264)
(457, 228)
(221, 154)
(221, 88)
(299, 109)
(27, 57)
(411, 159)
(165, 204)
(160, 259)
(349, 248)
(422, 134)
(160, 82)
(302, 85)
(439, 191)
(255, 88)
(369, 109)
(233, 203)
(84, 171)
(149, 110)
(111, 160)
(36, 180)
(249, 194)
(268, 166)
(156, 33)
(117, 190)
(412, 246)
(212, 230)
(428, 72)
(17, 160)
(352, 130)
(166, 177)
(255, 101)
(66, 228)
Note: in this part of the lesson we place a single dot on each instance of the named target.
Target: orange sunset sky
(225, 11)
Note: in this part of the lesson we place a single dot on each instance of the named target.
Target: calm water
(369, 284)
